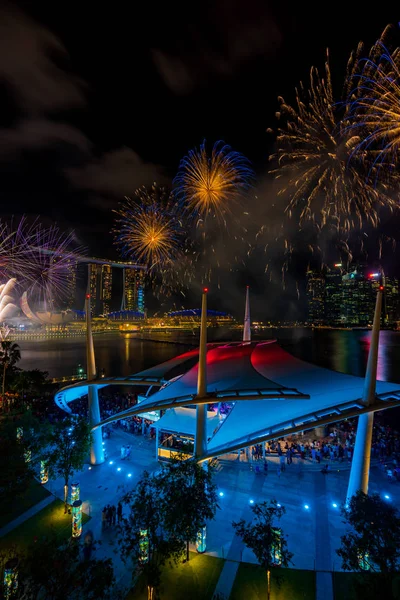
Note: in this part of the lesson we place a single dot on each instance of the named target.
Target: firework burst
(208, 184)
(39, 259)
(322, 178)
(149, 230)
(375, 109)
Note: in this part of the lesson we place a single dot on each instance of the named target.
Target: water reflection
(344, 351)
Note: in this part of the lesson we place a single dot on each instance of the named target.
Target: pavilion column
(96, 446)
(359, 473)
(201, 409)
(246, 322)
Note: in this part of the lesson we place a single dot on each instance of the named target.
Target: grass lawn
(195, 580)
(343, 586)
(34, 494)
(41, 524)
(251, 584)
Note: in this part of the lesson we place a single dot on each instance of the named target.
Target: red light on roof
(87, 295)
(205, 290)
(381, 288)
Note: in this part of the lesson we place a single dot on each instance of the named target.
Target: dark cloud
(30, 56)
(233, 33)
(38, 133)
(116, 174)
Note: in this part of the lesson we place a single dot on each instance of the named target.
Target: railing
(68, 378)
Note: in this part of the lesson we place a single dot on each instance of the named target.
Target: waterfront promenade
(313, 533)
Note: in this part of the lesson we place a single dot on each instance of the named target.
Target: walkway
(26, 515)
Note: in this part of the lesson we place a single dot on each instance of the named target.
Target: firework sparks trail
(150, 229)
(207, 184)
(375, 110)
(39, 258)
(330, 191)
(212, 188)
(324, 180)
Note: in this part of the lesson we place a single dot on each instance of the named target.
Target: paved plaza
(313, 532)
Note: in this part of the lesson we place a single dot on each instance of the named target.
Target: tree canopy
(372, 543)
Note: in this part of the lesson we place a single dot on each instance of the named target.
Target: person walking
(282, 462)
(119, 512)
(109, 515)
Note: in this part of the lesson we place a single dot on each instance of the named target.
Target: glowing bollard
(77, 519)
(44, 472)
(10, 581)
(75, 492)
(144, 546)
(201, 540)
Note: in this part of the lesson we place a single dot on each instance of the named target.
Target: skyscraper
(133, 290)
(391, 300)
(316, 297)
(333, 294)
(105, 288)
(94, 288)
(359, 295)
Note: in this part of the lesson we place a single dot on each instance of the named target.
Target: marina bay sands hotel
(101, 279)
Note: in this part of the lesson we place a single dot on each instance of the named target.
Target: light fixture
(119, 468)
(306, 506)
(251, 501)
(221, 494)
(129, 474)
(279, 505)
(334, 504)
(387, 496)
(90, 468)
(111, 462)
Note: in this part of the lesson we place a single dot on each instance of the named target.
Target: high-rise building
(133, 290)
(333, 294)
(391, 300)
(105, 288)
(359, 295)
(94, 286)
(316, 297)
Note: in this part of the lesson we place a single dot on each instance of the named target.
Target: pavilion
(273, 393)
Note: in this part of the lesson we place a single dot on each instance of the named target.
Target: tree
(142, 537)
(190, 498)
(21, 444)
(68, 448)
(372, 545)
(50, 571)
(265, 539)
(33, 381)
(9, 356)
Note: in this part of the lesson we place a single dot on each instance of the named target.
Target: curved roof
(288, 392)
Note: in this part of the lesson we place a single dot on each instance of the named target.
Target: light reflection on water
(344, 351)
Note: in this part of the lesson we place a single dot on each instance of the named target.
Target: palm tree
(9, 355)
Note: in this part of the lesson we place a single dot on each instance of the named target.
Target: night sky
(98, 99)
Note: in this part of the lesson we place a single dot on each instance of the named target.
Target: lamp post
(359, 473)
(96, 446)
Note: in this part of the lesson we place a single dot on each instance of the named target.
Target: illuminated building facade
(94, 289)
(106, 288)
(333, 294)
(391, 301)
(133, 297)
(316, 297)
